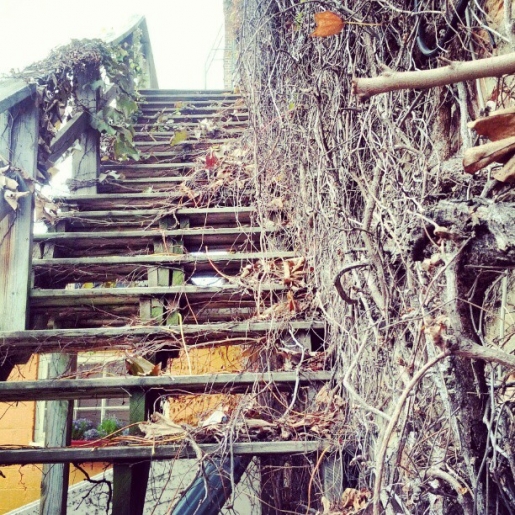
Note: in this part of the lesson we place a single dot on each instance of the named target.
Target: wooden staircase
(146, 257)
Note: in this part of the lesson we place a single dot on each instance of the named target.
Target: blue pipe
(216, 474)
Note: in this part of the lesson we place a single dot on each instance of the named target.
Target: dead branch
(393, 422)
(390, 80)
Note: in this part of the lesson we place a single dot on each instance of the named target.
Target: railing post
(59, 414)
(19, 139)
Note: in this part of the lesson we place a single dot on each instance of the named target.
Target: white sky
(182, 33)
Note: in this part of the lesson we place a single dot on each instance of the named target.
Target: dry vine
(358, 189)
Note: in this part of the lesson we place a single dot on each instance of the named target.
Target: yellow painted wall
(21, 484)
(190, 409)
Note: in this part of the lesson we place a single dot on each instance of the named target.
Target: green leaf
(179, 137)
(97, 84)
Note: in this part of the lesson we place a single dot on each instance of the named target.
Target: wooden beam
(11, 455)
(49, 340)
(14, 91)
(184, 260)
(86, 159)
(58, 420)
(117, 387)
(68, 134)
(151, 234)
(110, 296)
(197, 215)
(21, 137)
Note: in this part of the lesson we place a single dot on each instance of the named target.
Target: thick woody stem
(425, 79)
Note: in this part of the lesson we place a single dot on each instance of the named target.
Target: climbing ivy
(99, 65)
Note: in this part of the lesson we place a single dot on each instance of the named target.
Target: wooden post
(19, 134)
(59, 414)
(130, 480)
(86, 161)
(58, 420)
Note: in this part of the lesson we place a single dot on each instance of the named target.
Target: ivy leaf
(179, 137)
(101, 125)
(97, 84)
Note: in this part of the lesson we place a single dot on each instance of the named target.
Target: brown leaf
(327, 24)
(507, 172)
(138, 366)
(354, 500)
(476, 158)
(498, 125)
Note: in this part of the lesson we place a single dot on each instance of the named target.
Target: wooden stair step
(45, 298)
(185, 94)
(165, 137)
(210, 216)
(176, 103)
(155, 127)
(12, 455)
(220, 136)
(132, 185)
(165, 108)
(83, 269)
(239, 115)
(116, 387)
(128, 337)
(191, 239)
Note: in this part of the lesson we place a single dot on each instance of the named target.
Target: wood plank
(121, 338)
(10, 455)
(16, 227)
(150, 234)
(155, 127)
(117, 387)
(151, 109)
(111, 296)
(14, 91)
(196, 215)
(189, 142)
(68, 134)
(191, 262)
(194, 116)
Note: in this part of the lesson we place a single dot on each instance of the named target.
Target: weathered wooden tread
(152, 452)
(114, 387)
(195, 116)
(189, 142)
(126, 264)
(195, 215)
(108, 296)
(152, 108)
(121, 338)
(191, 239)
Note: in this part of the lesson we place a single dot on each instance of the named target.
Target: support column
(19, 139)
(58, 422)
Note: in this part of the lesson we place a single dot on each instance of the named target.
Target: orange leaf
(327, 24)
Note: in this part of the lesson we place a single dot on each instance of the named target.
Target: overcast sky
(182, 33)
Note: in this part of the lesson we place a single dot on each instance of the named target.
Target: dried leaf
(354, 499)
(138, 366)
(507, 172)
(498, 125)
(327, 24)
(161, 426)
(6, 182)
(12, 197)
(476, 158)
